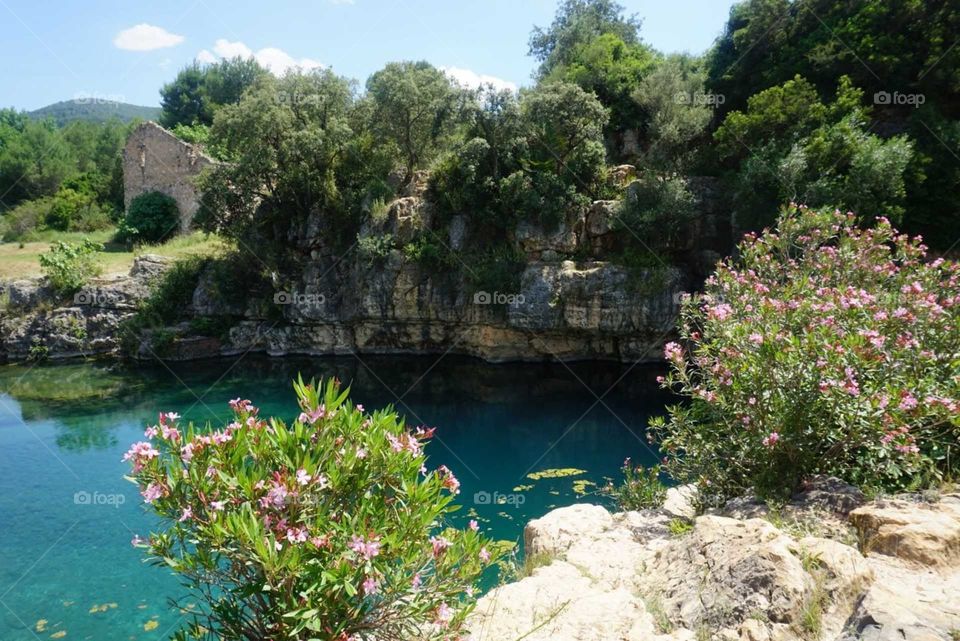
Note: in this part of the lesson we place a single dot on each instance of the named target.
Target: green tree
(224, 82)
(182, 100)
(33, 162)
(789, 146)
(576, 23)
(415, 107)
(285, 160)
(611, 68)
(564, 125)
(679, 111)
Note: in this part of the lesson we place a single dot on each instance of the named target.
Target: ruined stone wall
(156, 160)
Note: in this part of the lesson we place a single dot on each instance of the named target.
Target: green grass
(22, 260)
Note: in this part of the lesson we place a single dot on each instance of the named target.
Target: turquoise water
(67, 515)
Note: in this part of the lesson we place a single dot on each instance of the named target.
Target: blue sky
(125, 50)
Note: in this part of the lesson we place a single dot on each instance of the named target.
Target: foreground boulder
(654, 575)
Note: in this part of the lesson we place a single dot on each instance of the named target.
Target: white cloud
(146, 37)
(226, 49)
(473, 80)
(205, 57)
(276, 60)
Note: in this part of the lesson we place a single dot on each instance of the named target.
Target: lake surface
(67, 514)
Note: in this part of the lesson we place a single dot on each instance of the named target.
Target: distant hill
(94, 110)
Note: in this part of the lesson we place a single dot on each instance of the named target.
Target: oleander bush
(326, 527)
(824, 348)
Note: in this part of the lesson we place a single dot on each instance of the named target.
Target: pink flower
(169, 433)
(297, 535)
(370, 586)
(151, 432)
(484, 555)
(473, 525)
(367, 548)
(361, 453)
(771, 440)
(673, 352)
(309, 418)
(220, 437)
(140, 452)
(444, 614)
(153, 492)
(417, 581)
(137, 541)
(720, 312)
(448, 479)
(908, 402)
(187, 514)
(359, 408)
(218, 505)
(439, 544)
(186, 452)
(302, 477)
(756, 338)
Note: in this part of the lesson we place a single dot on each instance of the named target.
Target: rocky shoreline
(828, 566)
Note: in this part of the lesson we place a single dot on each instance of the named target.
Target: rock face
(38, 324)
(156, 160)
(566, 300)
(639, 576)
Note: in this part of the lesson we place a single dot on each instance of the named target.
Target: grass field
(18, 261)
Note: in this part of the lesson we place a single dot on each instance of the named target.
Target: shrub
(152, 218)
(328, 527)
(641, 488)
(24, 218)
(656, 210)
(68, 266)
(824, 349)
(374, 250)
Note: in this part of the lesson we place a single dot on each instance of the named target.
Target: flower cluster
(824, 348)
(329, 527)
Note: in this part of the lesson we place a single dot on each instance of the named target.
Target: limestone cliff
(570, 302)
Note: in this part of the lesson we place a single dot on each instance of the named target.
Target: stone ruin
(156, 160)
